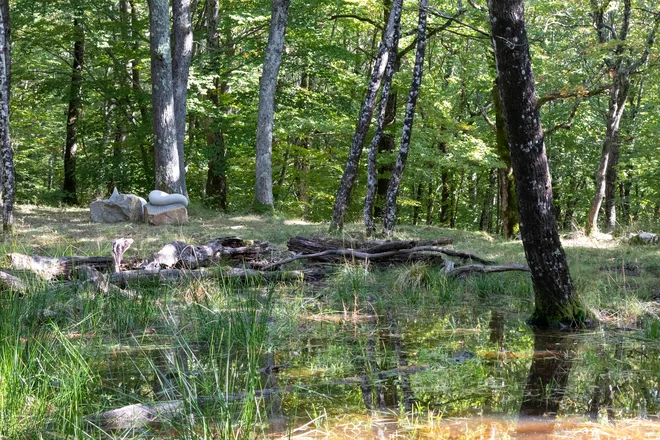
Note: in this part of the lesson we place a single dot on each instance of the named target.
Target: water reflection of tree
(380, 391)
(548, 375)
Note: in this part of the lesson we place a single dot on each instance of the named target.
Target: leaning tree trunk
(399, 167)
(166, 155)
(263, 195)
(350, 170)
(183, 41)
(71, 148)
(555, 301)
(5, 144)
(372, 173)
(618, 97)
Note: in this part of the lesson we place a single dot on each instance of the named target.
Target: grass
(67, 352)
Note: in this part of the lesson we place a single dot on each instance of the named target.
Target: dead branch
(119, 246)
(48, 268)
(303, 245)
(360, 255)
(480, 268)
(180, 254)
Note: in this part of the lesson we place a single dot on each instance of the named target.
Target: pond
(465, 371)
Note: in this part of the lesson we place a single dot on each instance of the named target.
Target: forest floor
(347, 355)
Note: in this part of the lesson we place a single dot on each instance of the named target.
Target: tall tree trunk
(485, 218)
(166, 155)
(399, 167)
(216, 180)
(621, 66)
(387, 144)
(430, 198)
(555, 300)
(386, 116)
(182, 53)
(508, 203)
(263, 201)
(71, 148)
(454, 202)
(618, 97)
(418, 204)
(5, 145)
(350, 170)
(610, 189)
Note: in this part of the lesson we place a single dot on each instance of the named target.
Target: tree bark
(386, 116)
(399, 167)
(263, 201)
(73, 114)
(166, 156)
(183, 41)
(5, 145)
(555, 300)
(350, 170)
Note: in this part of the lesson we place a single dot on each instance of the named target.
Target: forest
(448, 214)
(457, 168)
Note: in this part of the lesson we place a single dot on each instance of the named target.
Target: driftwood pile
(249, 260)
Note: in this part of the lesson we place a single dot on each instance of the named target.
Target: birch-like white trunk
(272, 59)
(350, 170)
(372, 172)
(166, 156)
(400, 166)
(5, 144)
(183, 41)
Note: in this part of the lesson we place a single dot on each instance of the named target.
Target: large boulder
(176, 214)
(118, 208)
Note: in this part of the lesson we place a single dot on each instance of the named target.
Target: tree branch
(569, 123)
(359, 18)
(576, 93)
(430, 33)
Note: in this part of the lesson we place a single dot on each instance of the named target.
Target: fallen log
(462, 271)
(88, 274)
(48, 268)
(12, 283)
(347, 254)
(315, 245)
(182, 255)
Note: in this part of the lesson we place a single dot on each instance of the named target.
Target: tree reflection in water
(546, 383)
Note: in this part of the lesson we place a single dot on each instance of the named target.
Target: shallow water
(463, 373)
(460, 372)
